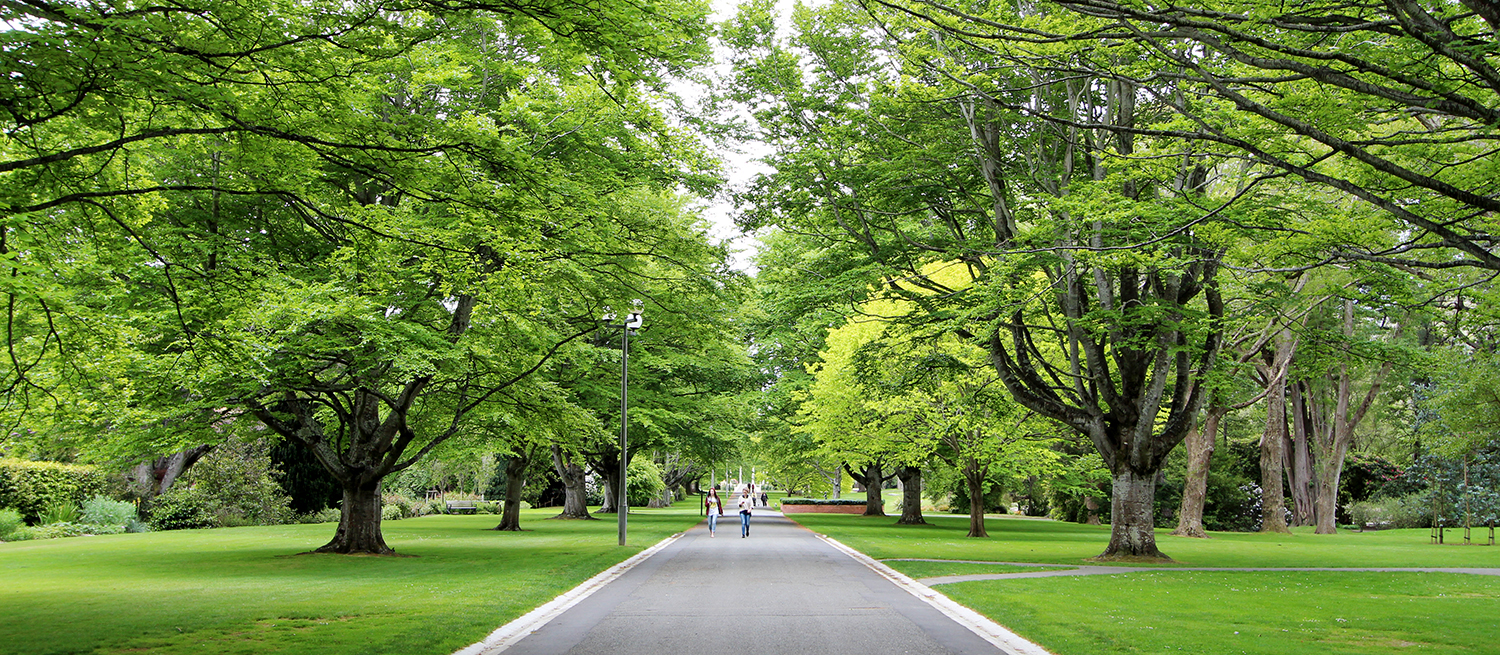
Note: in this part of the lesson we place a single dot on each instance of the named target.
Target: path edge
(988, 630)
(507, 635)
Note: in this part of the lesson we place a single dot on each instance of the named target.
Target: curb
(507, 635)
(996, 634)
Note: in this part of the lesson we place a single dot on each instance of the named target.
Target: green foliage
(102, 510)
(237, 485)
(181, 508)
(1411, 511)
(31, 487)
(10, 522)
(59, 511)
(644, 482)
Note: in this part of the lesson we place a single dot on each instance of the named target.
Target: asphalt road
(780, 591)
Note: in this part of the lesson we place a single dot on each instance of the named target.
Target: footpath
(781, 590)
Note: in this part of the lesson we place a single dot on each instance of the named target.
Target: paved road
(782, 590)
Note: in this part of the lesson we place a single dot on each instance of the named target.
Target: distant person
(715, 510)
(765, 499)
(746, 503)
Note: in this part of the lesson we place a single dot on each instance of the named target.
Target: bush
(329, 515)
(136, 526)
(101, 510)
(1410, 511)
(10, 522)
(30, 487)
(237, 485)
(643, 482)
(181, 509)
(392, 513)
(59, 511)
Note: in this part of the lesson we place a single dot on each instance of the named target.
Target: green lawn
(935, 569)
(1270, 613)
(1017, 539)
(1254, 613)
(247, 590)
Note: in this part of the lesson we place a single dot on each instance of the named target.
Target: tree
(1086, 240)
(377, 264)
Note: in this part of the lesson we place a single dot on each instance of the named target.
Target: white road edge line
(507, 635)
(990, 631)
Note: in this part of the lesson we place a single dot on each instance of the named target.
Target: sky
(740, 161)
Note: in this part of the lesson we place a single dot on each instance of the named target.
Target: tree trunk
(1091, 504)
(1300, 473)
(1132, 533)
(871, 479)
(911, 495)
(611, 492)
(1272, 495)
(359, 522)
(974, 475)
(515, 481)
(575, 505)
(156, 477)
(1333, 444)
(1200, 451)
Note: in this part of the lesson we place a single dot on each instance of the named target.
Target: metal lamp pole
(630, 325)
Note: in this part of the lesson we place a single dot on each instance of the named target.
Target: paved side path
(782, 590)
(1065, 570)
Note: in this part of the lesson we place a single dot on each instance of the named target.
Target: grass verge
(248, 590)
(1210, 612)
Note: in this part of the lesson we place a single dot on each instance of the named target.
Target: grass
(1212, 613)
(1209, 612)
(1017, 539)
(936, 569)
(248, 590)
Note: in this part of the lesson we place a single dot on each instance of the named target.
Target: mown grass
(249, 590)
(1017, 539)
(1210, 612)
(917, 569)
(1256, 613)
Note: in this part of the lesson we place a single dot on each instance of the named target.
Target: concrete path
(1065, 570)
(782, 590)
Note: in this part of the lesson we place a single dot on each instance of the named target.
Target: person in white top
(715, 510)
(745, 505)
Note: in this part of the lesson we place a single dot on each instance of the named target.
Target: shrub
(181, 509)
(822, 501)
(391, 513)
(30, 487)
(101, 510)
(643, 482)
(237, 484)
(59, 511)
(1410, 511)
(136, 526)
(10, 522)
(329, 515)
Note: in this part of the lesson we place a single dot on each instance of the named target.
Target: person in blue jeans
(715, 510)
(745, 505)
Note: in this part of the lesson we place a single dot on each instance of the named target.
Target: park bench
(461, 506)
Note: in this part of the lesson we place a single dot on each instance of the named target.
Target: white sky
(740, 165)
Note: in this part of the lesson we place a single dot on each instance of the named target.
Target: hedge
(29, 487)
(821, 501)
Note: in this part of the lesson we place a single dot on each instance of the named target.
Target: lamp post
(631, 324)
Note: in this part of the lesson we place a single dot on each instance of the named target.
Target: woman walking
(745, 504)
(715, 510)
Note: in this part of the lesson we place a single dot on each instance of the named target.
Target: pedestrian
(765, 499)
(715, 510)
(746, 502)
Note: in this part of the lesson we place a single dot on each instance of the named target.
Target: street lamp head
(634, 322)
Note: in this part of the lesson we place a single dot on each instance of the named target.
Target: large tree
(358, 225)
